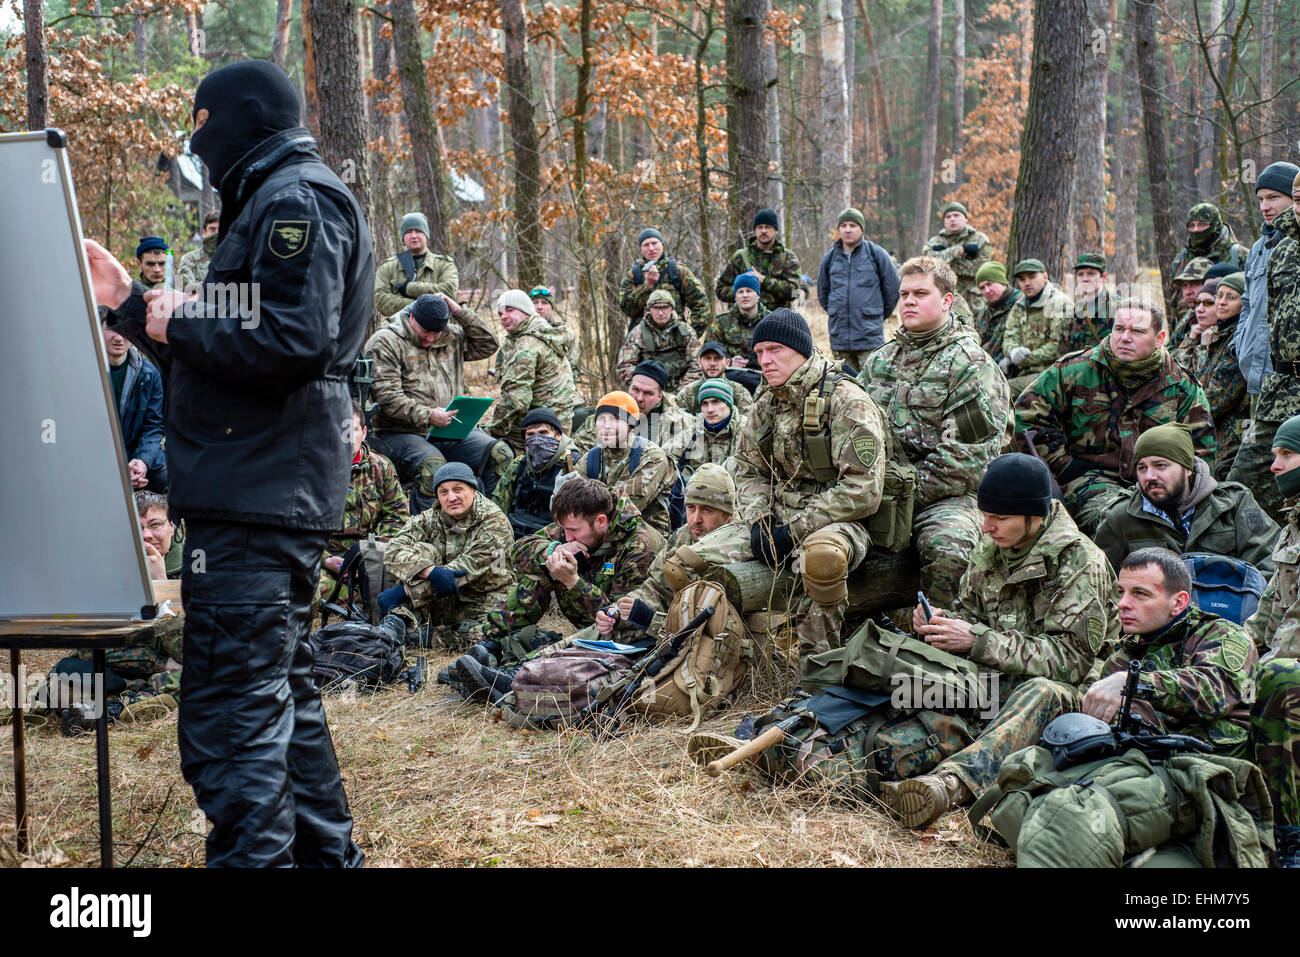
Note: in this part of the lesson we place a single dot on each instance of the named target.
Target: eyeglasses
(157, 525)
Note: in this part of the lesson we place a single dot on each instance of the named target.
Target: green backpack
(881, 660)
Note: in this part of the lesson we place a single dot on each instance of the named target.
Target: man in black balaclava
(258, 446)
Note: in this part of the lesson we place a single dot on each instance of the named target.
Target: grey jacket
(1251, 339)
(857, 292)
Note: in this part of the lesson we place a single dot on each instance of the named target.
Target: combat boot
(487, 653)
(1286, 840)
(921, 801)
(484, 682)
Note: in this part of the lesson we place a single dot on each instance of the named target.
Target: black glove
(770, 543)
(401, 290)
(641, 615)
(971, 249)
(443, 580)
(938, 247)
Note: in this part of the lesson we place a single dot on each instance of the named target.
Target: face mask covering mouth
(540, 449)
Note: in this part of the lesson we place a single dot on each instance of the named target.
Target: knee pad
(500, 457)
(424, 476)
(682, 567)
(825, 568)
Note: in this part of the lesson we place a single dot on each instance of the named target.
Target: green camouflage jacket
(647, 488)
(780, 269)
(991, 321)
(1275, 626)
(1087, 421)
(479, 544)
(534, 372)
(691, 297)
(947, 403)
(734, 330)
(1215, 368)
(1226, 522)
(1039, 327)
(675, 346)
(194, 264)
(1052, 615)
(686, 397)
(570, 344)
(708, 446)
(1202, 675)
(410, 382)
(654, 591)
(669, 426)
(773, 477)
(437, 274)
(955, 256)
(611, 571)
(1226, 249)
(1279, 395)
(376, 504)
(1090, 322)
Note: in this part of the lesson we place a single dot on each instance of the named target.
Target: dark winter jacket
(857, 291)
(140, 412)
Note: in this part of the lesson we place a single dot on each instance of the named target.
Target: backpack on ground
(364, 575)
(882, 659)
(673, 501)
(1228, 587)
(557, 688)
(356, 651)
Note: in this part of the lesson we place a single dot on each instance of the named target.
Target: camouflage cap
(1195, 270)
(1206, 213)
(662, 294)
(1029, 265)
(1090, 261)
(713, 486)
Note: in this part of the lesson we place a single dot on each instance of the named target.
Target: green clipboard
(468, 410)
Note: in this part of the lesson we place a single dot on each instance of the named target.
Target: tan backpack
(711, 664)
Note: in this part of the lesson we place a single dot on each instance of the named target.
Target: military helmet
(713, 486)
(1074, 738)
(1194, 270)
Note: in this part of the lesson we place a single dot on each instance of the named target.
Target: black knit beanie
(1016, 484)
(786, 327)
(431, 312)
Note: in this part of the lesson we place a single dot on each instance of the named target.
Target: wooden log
(884, 581)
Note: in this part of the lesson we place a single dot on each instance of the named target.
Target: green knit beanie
(1237, 281)
(1288, 437)
(1172, 441)
(717, 389)
(991, 272)
(852, 215)
(954, 207)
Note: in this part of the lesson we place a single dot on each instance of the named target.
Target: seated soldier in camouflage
(710, 502)
(964, 248)
(524, 492)
(765, 260)
(415, 271)
(1207, 353)
(1036, 606)
(997, 297)
(629, 464)
(950, 413)
(717, 430)
(1035, 325)
(453, 563)
(735, 327)
(1275, 630)
(376, 505)
(596, 551)
(662, 336)
(1178, 505)
(1187, 286)
(1087, 410)
(544, 302)
(713, 363)
(794, 508)
(659, 418)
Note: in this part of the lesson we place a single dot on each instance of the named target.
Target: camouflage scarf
(1133, 374)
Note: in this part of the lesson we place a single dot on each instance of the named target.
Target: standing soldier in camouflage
(663, 337)
(857, 285)
(1094, 305)
(1209, 238)
(656, 269)
(631, 465)
(1187, 286)
(997, 297)
(767, 260)
(194, 264)
(1037, 608)
(713, 364)
(525, 490)
(950, 412)
(532, 367)
(1275, 630)
(376, 505)
(735, 327)
(805, 489)
(964, 248)
(452, 562)
(415, 271)
(1279, 393)
(1207, 354)
(1086, 411)
(1035, 325)
(717, 429)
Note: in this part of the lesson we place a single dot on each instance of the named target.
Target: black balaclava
(247, 102)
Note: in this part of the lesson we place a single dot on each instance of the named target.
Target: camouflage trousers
(1275, 734)
(1251, 468)
(945, 533)
(1019, 724)
(817, 623)
(447, 623)
(854, 357)
(1020, 383)
(1089, 497)
(139, 660)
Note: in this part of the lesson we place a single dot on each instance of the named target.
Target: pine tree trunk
(382, 126)
(747, 136)
(1124, 176)
(929, 131)
(1162, 211)
(1206, 187)
(280, 39)
(958, 79)
(531, 269)
(311, 103)
(339, 93)
(1049, 143)
(421, 125)
(836, 136)
(1088, 197)
(38, 84)
(775, 180)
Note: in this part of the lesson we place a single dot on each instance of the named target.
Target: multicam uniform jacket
(779, 267)
(534, 372)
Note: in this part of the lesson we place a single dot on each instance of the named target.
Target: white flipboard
(72, 546)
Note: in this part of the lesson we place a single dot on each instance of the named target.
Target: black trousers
(254, 743)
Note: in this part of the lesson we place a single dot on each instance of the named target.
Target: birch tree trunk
(958, 80)
(835, 132)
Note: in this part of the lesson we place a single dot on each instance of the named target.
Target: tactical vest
(891, 524)
(532, 504)
(672, 354)
(670, 274)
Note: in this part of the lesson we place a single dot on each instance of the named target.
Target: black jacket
(257, 374)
